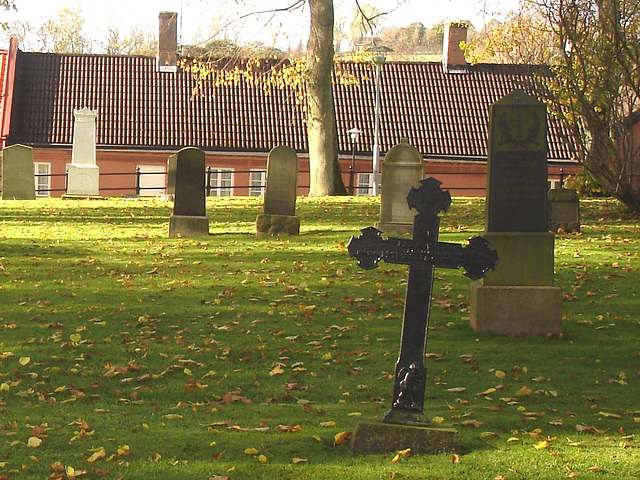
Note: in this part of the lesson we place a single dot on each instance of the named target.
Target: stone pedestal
(526, 258)
(269, 224)
(188, 226)
(372, 437)
(83, 180)
(516, 311)
(518, 298)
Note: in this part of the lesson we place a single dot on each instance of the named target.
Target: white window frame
(257, 182)
(221, 182)
(153, 178)
(364, 181)
(42, 184)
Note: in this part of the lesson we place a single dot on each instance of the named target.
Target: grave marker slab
(83, 174)
(17, 173)
(189, 217)
(402, 168)
(423, 253)
(279, 217)
(517, 225)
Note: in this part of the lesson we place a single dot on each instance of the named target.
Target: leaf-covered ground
(126, 354)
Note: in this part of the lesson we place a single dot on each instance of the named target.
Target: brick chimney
(168, 42)
(453, 60)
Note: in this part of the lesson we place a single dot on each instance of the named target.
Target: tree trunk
(325, 178)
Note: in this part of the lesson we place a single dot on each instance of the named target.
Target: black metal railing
(137, 189)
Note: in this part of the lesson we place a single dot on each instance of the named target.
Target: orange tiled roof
(443, 115)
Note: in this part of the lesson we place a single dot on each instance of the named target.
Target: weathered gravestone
(564, 210)
(17, 173)
(518, 298)
(405, 425)
(83, 174)
(170, 187)
(279, 217)
(189, 217)
(402, 168)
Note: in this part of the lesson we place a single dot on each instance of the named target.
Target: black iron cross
(422, 254)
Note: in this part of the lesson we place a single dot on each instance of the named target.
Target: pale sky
(197, 15)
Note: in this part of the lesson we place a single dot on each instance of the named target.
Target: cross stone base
(271, 224)
(516, 311)
(376, 437)
(188, 226)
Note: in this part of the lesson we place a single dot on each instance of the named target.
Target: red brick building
(145, 115)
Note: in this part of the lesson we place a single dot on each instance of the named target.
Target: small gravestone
(518, 298)
(564, 210)
(279, 217)
(405, 424)
(402, 168)
(189, 217)
(170, 187)
(83, 173)
(17, 173)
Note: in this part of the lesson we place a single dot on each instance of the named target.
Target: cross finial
(429, 198)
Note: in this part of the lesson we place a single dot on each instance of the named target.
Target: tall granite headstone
(519, 297)
(189, 217)
(83, 173)
(17, 173)
(279, 217)
(402, 168)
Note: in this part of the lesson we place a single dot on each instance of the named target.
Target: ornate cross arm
(370, 247)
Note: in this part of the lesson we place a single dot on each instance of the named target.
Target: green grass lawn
(127, 354)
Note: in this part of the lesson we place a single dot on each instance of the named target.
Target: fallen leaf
(97, 455)
(342, 437)
(262, 459)
(400, 454)
(541, 445)
(251, 451)
(471, 423)
(34, 442)
(524, 392)
(455, 458)
(297, 460)
(329, 424)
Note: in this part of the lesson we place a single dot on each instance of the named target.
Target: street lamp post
(379, 57)
(354, 135)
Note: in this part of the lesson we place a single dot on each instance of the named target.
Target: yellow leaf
(97, 455)
(4, 387)
(610, 415)
(541, 445)
(24, 361)
(75, 337)
(328, 424)
(500, 374)
(437, 419)
(277, 370)
(297, 460)
(488, 391)
(124, 449)
(262, 459)
(34, 442)
(524, 392)
(173, 416)
(342, 437)
(251, 451)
